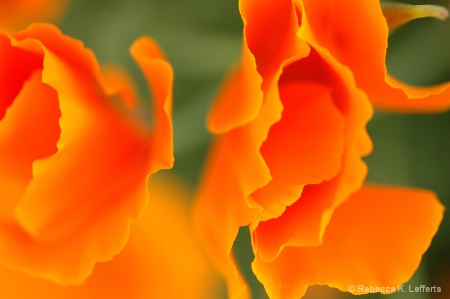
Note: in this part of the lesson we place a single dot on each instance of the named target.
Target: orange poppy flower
(290, 125)
(20, 13)
(75, 154)
(150, 266)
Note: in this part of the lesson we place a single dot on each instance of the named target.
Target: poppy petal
(304, 147)
(242, 81)
(28, 132)
(343, 28)
(382, 248)
(159, 75)
(349, 170)
(270, 30)
(76, 209)
(223, 205)
(117, 82)
(17, 67)
(236, 168)
(147, 267)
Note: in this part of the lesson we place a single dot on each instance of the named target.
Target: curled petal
(300, 218)
(343, 28)
(77, 205)
(159, 75)
(236, 167)
(270, 29)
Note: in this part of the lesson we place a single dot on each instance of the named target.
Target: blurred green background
(203, 37)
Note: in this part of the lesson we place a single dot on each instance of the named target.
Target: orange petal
(304, 147)
(235, 168)
(302, 224)
(313, 208)
(355, 106)
(28, 132)
(104, 157)
(373, 239)
(407, 98)
(270, 40)
(161, 259)
(270, 31)
(343, 28)
(91, 153)
(17, 66)
(243, 82)
(223, 205)
(159, 75)
(117, 82)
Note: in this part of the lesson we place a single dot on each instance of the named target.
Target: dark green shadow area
(243, 254)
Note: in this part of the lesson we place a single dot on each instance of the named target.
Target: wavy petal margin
(147, 267)
(77, 207)
(373, 239)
